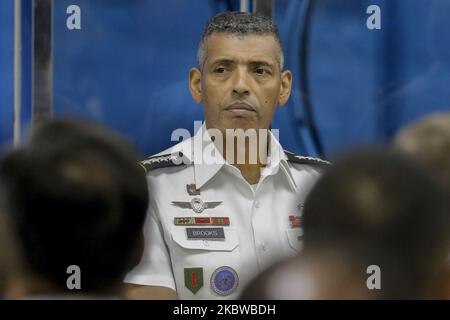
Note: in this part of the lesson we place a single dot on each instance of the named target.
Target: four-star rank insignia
(193, 279)
(206, 221)
(196, 204)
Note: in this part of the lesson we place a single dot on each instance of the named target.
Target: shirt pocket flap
(229, 244)
(295, 238)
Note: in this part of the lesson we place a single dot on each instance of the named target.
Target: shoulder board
(163, 161)
(306, 160)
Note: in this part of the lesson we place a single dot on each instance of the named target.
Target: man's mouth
(240, 108)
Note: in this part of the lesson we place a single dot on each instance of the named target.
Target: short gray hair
(239, 24)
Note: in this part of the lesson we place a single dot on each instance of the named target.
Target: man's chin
(241, 123)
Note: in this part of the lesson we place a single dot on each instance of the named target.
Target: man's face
(240, 84)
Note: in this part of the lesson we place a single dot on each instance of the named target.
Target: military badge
(193, 279)
(203, 221)
(224, 281)
(196, 204)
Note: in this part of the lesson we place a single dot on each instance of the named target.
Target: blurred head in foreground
(77, 201)
(387, 211)
(373, 209)
(428, 141)
(320, 274)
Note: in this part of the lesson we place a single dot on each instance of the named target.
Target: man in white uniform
(215, 222)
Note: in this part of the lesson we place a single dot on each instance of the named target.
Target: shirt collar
(208, 160)
(278, 160)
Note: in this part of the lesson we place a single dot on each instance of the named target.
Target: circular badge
(197, 205)
(224, 281)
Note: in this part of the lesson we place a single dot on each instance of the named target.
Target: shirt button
(263, 247)
(256, 204)
(206, 243)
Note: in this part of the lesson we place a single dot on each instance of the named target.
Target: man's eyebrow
(222, 61)
(261, 63)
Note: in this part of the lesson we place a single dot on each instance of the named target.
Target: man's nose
(240, 85)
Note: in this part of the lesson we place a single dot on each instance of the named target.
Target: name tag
(205, 233)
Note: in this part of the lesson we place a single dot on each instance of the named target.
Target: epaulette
(163, 161)
(307, 160)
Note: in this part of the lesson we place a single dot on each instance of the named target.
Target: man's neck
(250, 172)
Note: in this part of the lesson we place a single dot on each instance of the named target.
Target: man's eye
(220, 70)
(261, 71)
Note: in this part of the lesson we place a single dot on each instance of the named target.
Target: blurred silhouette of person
(319, 274)
(77, 200)
(428, 140)
(386, 209)
(373, 208)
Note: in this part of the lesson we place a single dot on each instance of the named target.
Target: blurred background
(127, 67)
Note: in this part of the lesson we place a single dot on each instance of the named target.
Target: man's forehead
(222, 45)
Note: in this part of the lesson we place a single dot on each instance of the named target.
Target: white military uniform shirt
(258, 227)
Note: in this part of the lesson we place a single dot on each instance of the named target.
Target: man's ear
(195, 84)
(285, 87)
